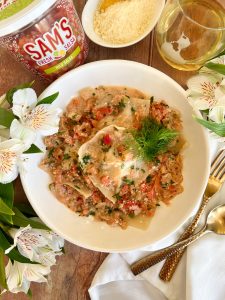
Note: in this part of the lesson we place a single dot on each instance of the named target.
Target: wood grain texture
(72, 276)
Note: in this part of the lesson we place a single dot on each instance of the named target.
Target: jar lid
(16, 14)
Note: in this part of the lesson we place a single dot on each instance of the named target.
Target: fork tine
(223, 178)
(221, 170)
(217, 163)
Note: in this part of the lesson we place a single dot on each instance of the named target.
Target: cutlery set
(215, 223)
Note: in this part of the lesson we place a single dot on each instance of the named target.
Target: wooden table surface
(72, 276)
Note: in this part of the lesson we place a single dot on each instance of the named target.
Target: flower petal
(196, 83)
(48, 258)
(13, 145)
(8, 166)
(15, 233)
(36, 272)
(9, 153)
(198, 103)
(23, 100)
(43, 118)
(203, 88)
(28, 242)
(217, 114)
(15, 277)
(26, 135)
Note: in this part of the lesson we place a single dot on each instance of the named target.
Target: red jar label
(52, 45)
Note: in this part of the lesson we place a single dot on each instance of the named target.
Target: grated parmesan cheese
(124, 21)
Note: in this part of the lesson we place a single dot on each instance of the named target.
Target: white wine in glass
(190, 32)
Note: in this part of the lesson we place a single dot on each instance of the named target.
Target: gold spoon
(215, 223)
(106, 3)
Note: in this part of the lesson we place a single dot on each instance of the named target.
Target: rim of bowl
(101, 42)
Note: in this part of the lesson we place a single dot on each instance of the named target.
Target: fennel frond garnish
(152, 139)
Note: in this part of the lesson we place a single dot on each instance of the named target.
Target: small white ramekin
(88, 24)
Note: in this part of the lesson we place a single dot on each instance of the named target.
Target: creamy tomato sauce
(93, 170)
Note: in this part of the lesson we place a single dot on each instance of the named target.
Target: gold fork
(217, 177)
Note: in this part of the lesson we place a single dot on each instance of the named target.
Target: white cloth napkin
(199, 276)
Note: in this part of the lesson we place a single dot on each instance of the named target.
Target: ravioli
(132, 110)
(109, 162)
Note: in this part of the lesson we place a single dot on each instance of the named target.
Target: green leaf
(4, 209)
(33, 149)
(6, 219)
(6, 117)
(3, 283)
(21, 220)
(26, 209)
(29, 294)
(14, 253)
(219, 129)
(7, 193)
(216, 67)
(9, 94)
(4, 227)
(49, 99)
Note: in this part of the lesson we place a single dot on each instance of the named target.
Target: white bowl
(99, 236)
(88, 24)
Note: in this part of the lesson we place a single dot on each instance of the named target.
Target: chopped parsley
(50, 153)
(132, 215)
(86, 159)
(151, 99)
(66, 156)
(133, 109)
(121, 105)
(148, 179)
(92, 213)
(165, 185)
(128, 181)
(117, 196)
(109, 210)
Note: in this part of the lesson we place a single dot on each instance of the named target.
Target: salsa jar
(46, 36)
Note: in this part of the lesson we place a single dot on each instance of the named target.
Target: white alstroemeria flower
(19, 276)
(43, 119)
(205, 92)
(10, 152)
(38, 245)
